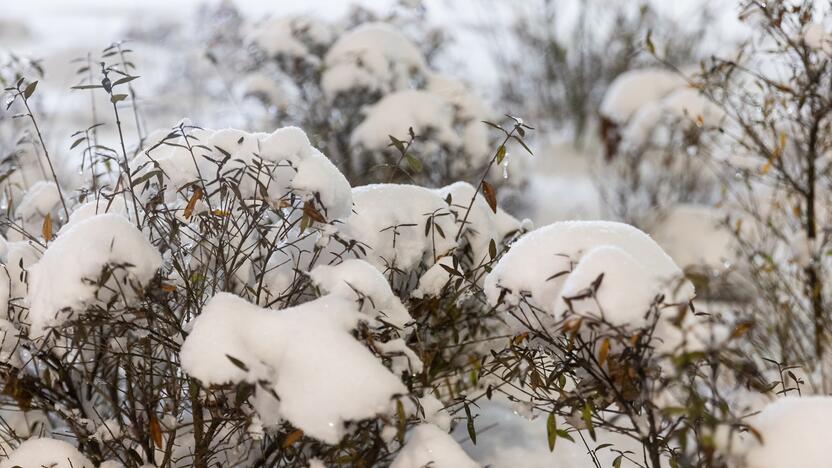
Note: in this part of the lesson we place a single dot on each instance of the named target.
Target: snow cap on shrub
(429, 445)
(565, 258)
(306, 354)
(373, 56)
(46, 452)
(795, 434)
(79, 256)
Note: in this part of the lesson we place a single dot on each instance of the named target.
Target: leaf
(237, 362)
(648, 42)
(617, 462)
(46, 228)
(401, 425)
(501, 154)
(126, 79)
(741, 329)
(30, 89)
(586, 415)
(551, 431)
(117, 97)
(490, 195)
(397, 143)
(155, 431)
(313, 214)
(450, 270)
(189, 209)
(77, 142)
(472, 432)
(293, 437)
(604, 351)
(523, 144)
(413, 162)
(492, 249)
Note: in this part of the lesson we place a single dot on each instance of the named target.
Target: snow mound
(306, 354)
(79, 255)
(795, 434)
(482, 225)
(632, 89)
(295, 167)
(396, 112)
(46, 452)
(41, 199)
(429, 445)
(567, 257)
(383, 212)
(356, 279)
(290, 36)
(373, 56)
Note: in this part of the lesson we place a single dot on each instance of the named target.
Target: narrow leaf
(490, 195)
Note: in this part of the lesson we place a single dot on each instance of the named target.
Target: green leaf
(117, 97)
(30, 89)
(397, 143)
(617, 462)
(648, 42)
(237, 362)
(126, 79)
(492, 249)
(551, 431)
(402, 421)
(501, 154)
(77, 142)
(415, 164)
(472, 432)
(587, 417)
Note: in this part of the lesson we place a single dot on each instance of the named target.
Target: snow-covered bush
(774, 96)
(220, 297)
(653, 122)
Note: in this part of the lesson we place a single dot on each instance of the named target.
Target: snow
(316, 176)
(373, 56)
(80, 254)
(428, 445)
(629, 305)
(396, 112)
(298, 167)
(41, 199)
(483, 225)
(379, 207)
(693, 235)
(306, 354)
(633, 89)
(434, 279)
(795, 432)
(470, 109)
(561, 249)
(353, 277)
(46, 452)
(290, 36)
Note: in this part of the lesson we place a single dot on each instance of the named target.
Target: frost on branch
(305, 355)
(98, 258)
